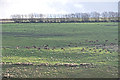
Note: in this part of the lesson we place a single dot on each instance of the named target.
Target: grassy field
(60, 50)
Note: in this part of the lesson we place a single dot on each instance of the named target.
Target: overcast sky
(9, 7)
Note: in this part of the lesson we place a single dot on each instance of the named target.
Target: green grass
(59, 35)
(56, 34)
(70, 55)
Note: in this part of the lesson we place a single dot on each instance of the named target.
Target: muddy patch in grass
(50, 65)
(22, 34)
(110, 25)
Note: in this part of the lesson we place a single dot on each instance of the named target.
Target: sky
(10, 7)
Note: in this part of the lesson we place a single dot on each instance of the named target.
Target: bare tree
(85, 17)
(73, 17)
(105, 16)
(16, 18)
(95, 16)
(77, 15)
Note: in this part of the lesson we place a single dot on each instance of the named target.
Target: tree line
(73, 17)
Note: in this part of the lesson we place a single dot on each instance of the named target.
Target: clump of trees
(73, 17)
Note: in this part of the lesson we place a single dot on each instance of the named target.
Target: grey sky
(9, 7)
(86, 6)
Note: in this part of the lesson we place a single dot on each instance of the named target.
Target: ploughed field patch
(15, 71)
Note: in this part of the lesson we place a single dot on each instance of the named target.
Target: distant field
(57, 34)
(69, 50)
